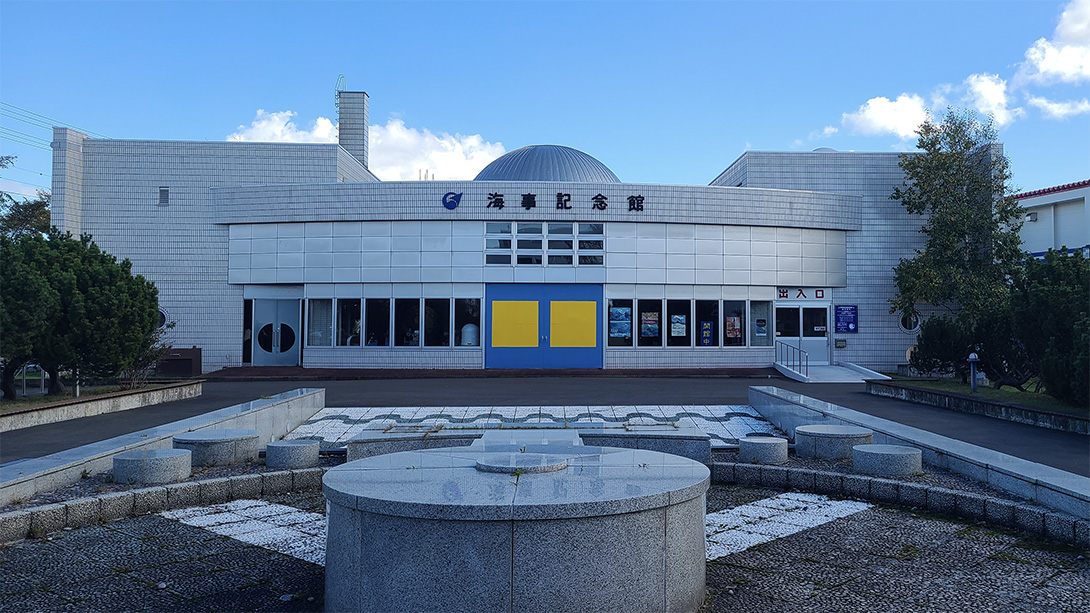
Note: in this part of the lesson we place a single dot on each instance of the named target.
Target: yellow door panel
(573, 323)
(514, 323)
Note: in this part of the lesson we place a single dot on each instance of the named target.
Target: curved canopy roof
(547, 163)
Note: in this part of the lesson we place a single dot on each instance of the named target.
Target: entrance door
(805, 327)
(543, 326)
(276, 341)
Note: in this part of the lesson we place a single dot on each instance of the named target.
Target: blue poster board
(847, 318)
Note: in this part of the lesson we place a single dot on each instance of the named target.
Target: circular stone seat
(830, 442)
(296, 453)
(153, 466)
(219, 447)
(762, 450)
(887, 460)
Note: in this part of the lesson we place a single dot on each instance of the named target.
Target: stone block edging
(75, 408)
(963, 403)
(41, 520)
(942, 501)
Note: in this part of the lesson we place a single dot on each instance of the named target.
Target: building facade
(295, 254)
(1056, 218)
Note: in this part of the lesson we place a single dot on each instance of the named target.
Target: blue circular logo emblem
(451, 200)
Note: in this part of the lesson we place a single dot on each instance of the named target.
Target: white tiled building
(1056, 217)
(269, 253)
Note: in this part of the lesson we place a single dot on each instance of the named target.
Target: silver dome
(547, 163)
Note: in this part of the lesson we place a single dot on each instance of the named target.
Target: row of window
(544, 244)
(401, 322)
(689, 323)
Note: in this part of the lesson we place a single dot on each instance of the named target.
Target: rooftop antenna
(337, 89)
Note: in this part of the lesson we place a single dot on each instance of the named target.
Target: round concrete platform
(830, 442)
(519, 520)
(153, 466)
(219, 447)
(762, 450)
(293, 453)
(887, 460)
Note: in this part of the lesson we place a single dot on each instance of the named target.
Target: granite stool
(153, 466)
(830, 442)
(219, 447)
(762, 450)
(297, 453)
(887, 460)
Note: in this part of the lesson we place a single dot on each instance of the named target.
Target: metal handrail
(793, 357)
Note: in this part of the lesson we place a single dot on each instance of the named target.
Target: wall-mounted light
(1031, 216)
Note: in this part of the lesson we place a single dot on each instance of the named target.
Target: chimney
(352, 124)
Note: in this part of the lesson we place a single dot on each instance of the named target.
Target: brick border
(963, 505)
(41, 520)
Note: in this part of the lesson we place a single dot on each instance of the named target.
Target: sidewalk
(1065, 451)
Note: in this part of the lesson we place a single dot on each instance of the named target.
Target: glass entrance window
(815, 322)
(407, 322)
(319, 322)
(787, 322)
(467, 322)
(680, 317)
(650, 313)
(348, 322)
(734, 323)
(436, 322)
(707, 323)
(620, 323)
(760, 312)
(378, 322)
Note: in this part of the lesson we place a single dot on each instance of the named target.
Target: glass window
(529, 244)
(378, 322)
(497, 258)
(320, 322)
(560, 228)
(910, 322)
(815, 322)
(760, 312)
(529, 228)
(467, 322)
(679, 313)
(407, 322)
(787, 321)
(590, 228)
(348, 322)
(497, 243)
(529, 258)
(562, 244)
(497, 227)
(560, 259)
(590, 260)
(620, 323)
(734, 323)
(437, 322)
(707, 323)
(590, 244)
(650, 323)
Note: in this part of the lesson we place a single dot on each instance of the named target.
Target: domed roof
(547, 163)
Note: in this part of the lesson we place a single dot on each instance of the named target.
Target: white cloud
(396, 151)
(19, 190)
(279, 128)
(1060, 110)
(1066, 57)
(399, 153)
(988, 94)
(884, 116)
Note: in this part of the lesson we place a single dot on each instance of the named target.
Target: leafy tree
(960, 184)
(98, 316)
(942, 346)
(25, 216)
(1051, 313)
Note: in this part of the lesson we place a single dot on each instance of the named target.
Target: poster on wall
(649, 324)
(760, 327)
(732, 327)
(677, 325)
(620, 322)
(707, 332)
(847, 318)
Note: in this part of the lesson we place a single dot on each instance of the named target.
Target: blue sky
(659, 92)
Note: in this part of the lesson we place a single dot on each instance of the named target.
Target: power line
(21, 141)
(30, 184)
(27, 116)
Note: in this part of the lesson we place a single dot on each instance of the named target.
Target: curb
(942, 501)
(39, 521)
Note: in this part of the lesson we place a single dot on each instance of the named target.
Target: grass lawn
(31, 402)
(1006, 394)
